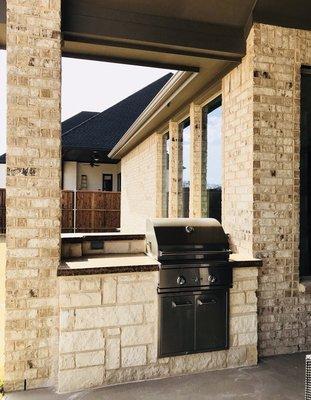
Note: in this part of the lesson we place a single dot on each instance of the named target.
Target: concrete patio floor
(275, 378)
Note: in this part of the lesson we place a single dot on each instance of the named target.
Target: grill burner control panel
(194, 276)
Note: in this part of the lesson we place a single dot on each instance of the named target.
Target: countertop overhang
(124, 263)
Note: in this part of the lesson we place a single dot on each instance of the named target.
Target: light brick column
(160, 176)
(261, 130)
(175, 170)
(198, 152)
(33, 191)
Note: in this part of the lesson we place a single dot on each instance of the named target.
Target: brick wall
(198, 151)
(109, 335)
(139, 185)
(261, 134)
(33, 192)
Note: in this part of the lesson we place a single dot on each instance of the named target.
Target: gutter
(178, 81)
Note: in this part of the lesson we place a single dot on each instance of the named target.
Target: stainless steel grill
(194, 280)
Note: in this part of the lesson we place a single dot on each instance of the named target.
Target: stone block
(113, 353)
(114, 316)
(134, 356)
(80, 299)
(109, 287)
(75, 250)
(117, 247)
(78, 379)
(236, 356)
(90, 285)
(70, 342)
(69, 285)
(136, 292)
(243, 324)
(90, 358)
(245, 339)
(139, 334)
(66, 361)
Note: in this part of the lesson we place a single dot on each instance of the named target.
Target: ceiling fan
(94, 159)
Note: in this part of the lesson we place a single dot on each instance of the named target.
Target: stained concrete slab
(275, 378)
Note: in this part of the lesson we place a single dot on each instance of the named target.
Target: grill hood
(169, 238)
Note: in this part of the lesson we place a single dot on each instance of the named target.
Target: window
(119, 182)
(107, 182)
(305, 173)
(212, 122)
(165, 174)
(185, 167)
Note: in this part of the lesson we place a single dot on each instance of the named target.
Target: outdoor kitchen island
(109, 316)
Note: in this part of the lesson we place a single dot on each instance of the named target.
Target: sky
(87, 86)
(95, 86)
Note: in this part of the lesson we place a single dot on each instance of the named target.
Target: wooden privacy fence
(88, 211)
(82, 211)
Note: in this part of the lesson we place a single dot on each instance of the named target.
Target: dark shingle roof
(93, 130)
(77, 120)
(105, 129)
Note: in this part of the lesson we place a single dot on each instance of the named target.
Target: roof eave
(161, 100)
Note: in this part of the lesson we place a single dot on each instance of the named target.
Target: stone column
(175, 170)
(198, 153)
(33, 191)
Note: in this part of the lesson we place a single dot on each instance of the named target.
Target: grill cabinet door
(176, 324)
(212, 320)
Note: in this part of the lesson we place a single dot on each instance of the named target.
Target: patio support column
(161, 154)
(198, 150)
(261, 130)
(175, 170)
(33, 192)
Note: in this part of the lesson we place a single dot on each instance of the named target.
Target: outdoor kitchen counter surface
(121, 263)
(107, 264)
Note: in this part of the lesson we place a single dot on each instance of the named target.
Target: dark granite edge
(87, 238)
(246, 263)
(63, 271)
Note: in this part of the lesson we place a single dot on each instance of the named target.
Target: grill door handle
(206, 302)
(184, 304)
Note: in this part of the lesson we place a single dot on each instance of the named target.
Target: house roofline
(161, 100)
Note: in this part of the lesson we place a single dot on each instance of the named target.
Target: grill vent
(308, 378)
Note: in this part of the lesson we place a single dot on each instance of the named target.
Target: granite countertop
(108, 264)
(121, 263)
(241, 260)
(82, 237)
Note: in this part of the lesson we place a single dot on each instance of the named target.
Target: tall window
(185, 167)
(165, 174)
(212, 120)
(305, 174)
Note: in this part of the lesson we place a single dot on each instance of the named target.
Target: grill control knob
(189, 229)
(212, 278)
(181, 280)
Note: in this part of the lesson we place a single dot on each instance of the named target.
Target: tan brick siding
(139, 185)
(261, 132)
(33, 192)
(198, 153)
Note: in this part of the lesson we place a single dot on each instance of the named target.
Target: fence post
(74, 211)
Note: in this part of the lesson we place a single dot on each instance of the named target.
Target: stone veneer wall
(108, 330)
(261, 109)
(139, 185)
(33, 192)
